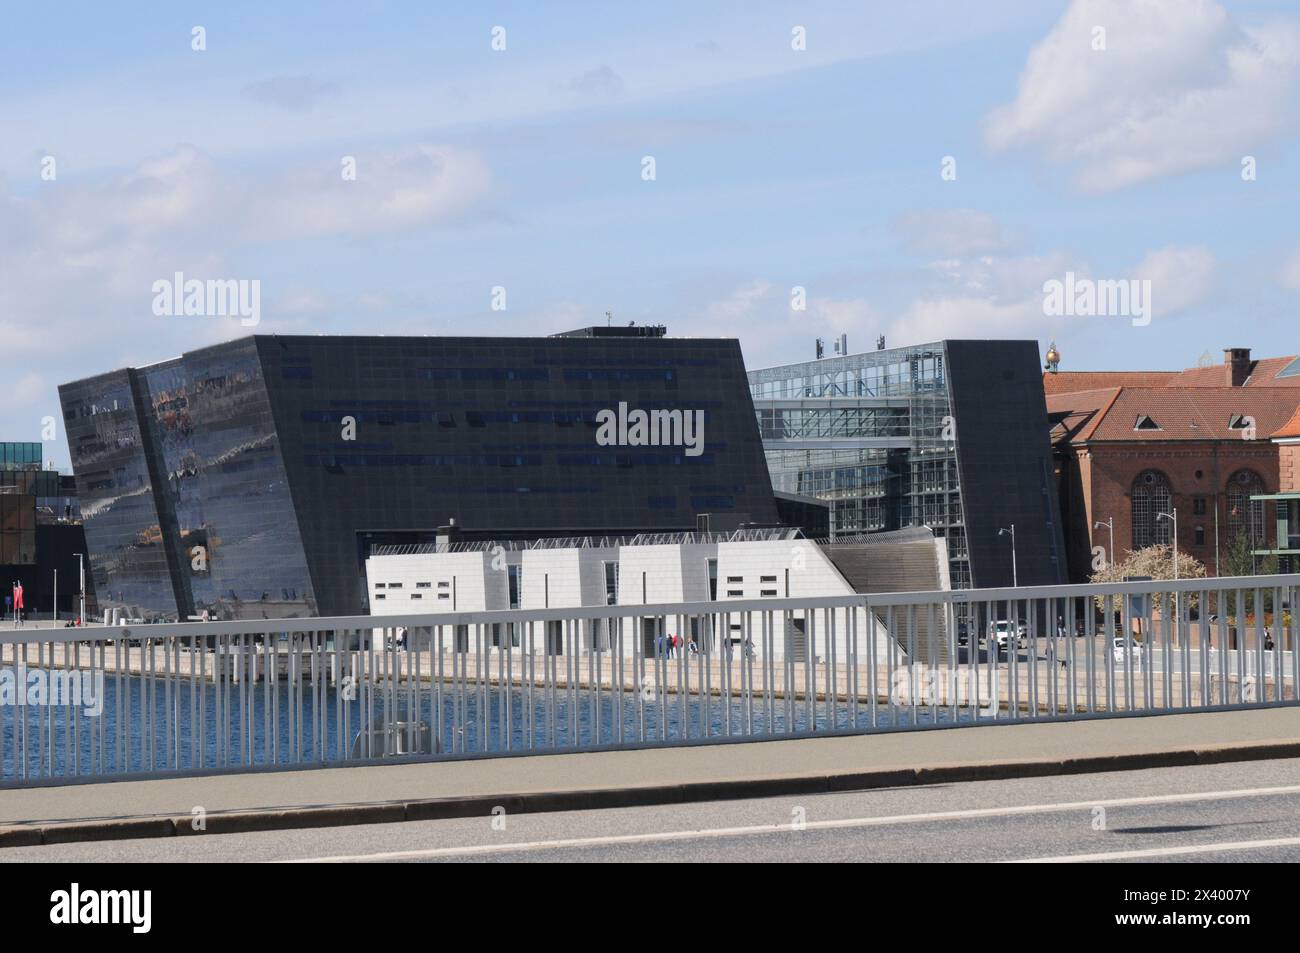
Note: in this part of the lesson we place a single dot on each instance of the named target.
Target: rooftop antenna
(880, 343)
(609, 318)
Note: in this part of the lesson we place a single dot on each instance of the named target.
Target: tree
(1156, 562)
(1240, 560)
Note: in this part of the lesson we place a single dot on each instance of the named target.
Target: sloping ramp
(910, 560)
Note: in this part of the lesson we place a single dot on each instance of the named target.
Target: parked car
(1000, 630)
(1134, 650)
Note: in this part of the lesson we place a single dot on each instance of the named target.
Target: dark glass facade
(24, 486)
(251, 477)
(127, 563)
(40, 532)
(1004, 456)
(951, 435)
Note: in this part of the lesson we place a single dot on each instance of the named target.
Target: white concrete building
(648, 569)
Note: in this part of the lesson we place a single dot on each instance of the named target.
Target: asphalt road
(1237, 812)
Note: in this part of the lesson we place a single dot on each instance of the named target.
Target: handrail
(307, 624)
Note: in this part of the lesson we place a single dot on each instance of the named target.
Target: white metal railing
(118, 700)
(674, 537)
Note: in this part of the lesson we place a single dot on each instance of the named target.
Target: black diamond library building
(250, 479)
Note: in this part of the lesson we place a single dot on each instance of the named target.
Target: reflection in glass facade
(866, 431)
(184, 499)
(251, 478)
(127, 564)
(915, 436)
(20, 455)
(227, 495)
(17, 528)
(24, 486)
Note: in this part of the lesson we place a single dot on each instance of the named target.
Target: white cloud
(28, 389)
(126, 112)
(1290, 274)
(978, 297)
(418, 185)
(1003, 297)
(601, 83)
(760, 313)
(732, 315)
(81, 256)
(1180, 278)
(952, 316)
(293, 93)
(844, 315)
(951, 232)
(1180, 86)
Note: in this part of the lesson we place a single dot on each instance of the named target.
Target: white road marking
(853, 822)
(1162, 851)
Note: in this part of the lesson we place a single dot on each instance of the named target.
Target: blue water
(132, 734)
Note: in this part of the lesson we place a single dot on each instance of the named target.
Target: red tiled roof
(1181, 413)
(1077, 412)
(1263, 373)
(1289, 429)
(1073, 382)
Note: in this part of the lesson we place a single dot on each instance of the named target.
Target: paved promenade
(394, 792)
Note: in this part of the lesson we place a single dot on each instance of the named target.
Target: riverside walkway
(397, 791)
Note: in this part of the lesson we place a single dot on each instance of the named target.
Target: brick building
(1283, 507)
(1132, 445)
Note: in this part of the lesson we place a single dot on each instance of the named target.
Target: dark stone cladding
(239, 448)
(1004, 459)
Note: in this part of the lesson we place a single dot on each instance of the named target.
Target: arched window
(1151, 497)
(1244, 514)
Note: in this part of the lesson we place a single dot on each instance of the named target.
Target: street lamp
(1110, 525)
(81, 564)
(1177, 612)
(1173, 517)
(1015, 578)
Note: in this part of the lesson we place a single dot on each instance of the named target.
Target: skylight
(1291, 370)
(1144, 422)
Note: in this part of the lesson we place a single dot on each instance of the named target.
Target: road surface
(1233, 812)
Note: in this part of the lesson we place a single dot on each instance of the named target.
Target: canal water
(138, 727)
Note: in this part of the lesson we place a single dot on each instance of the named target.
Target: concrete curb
(387, 812)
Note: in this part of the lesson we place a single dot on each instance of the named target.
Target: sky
(776, 172)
